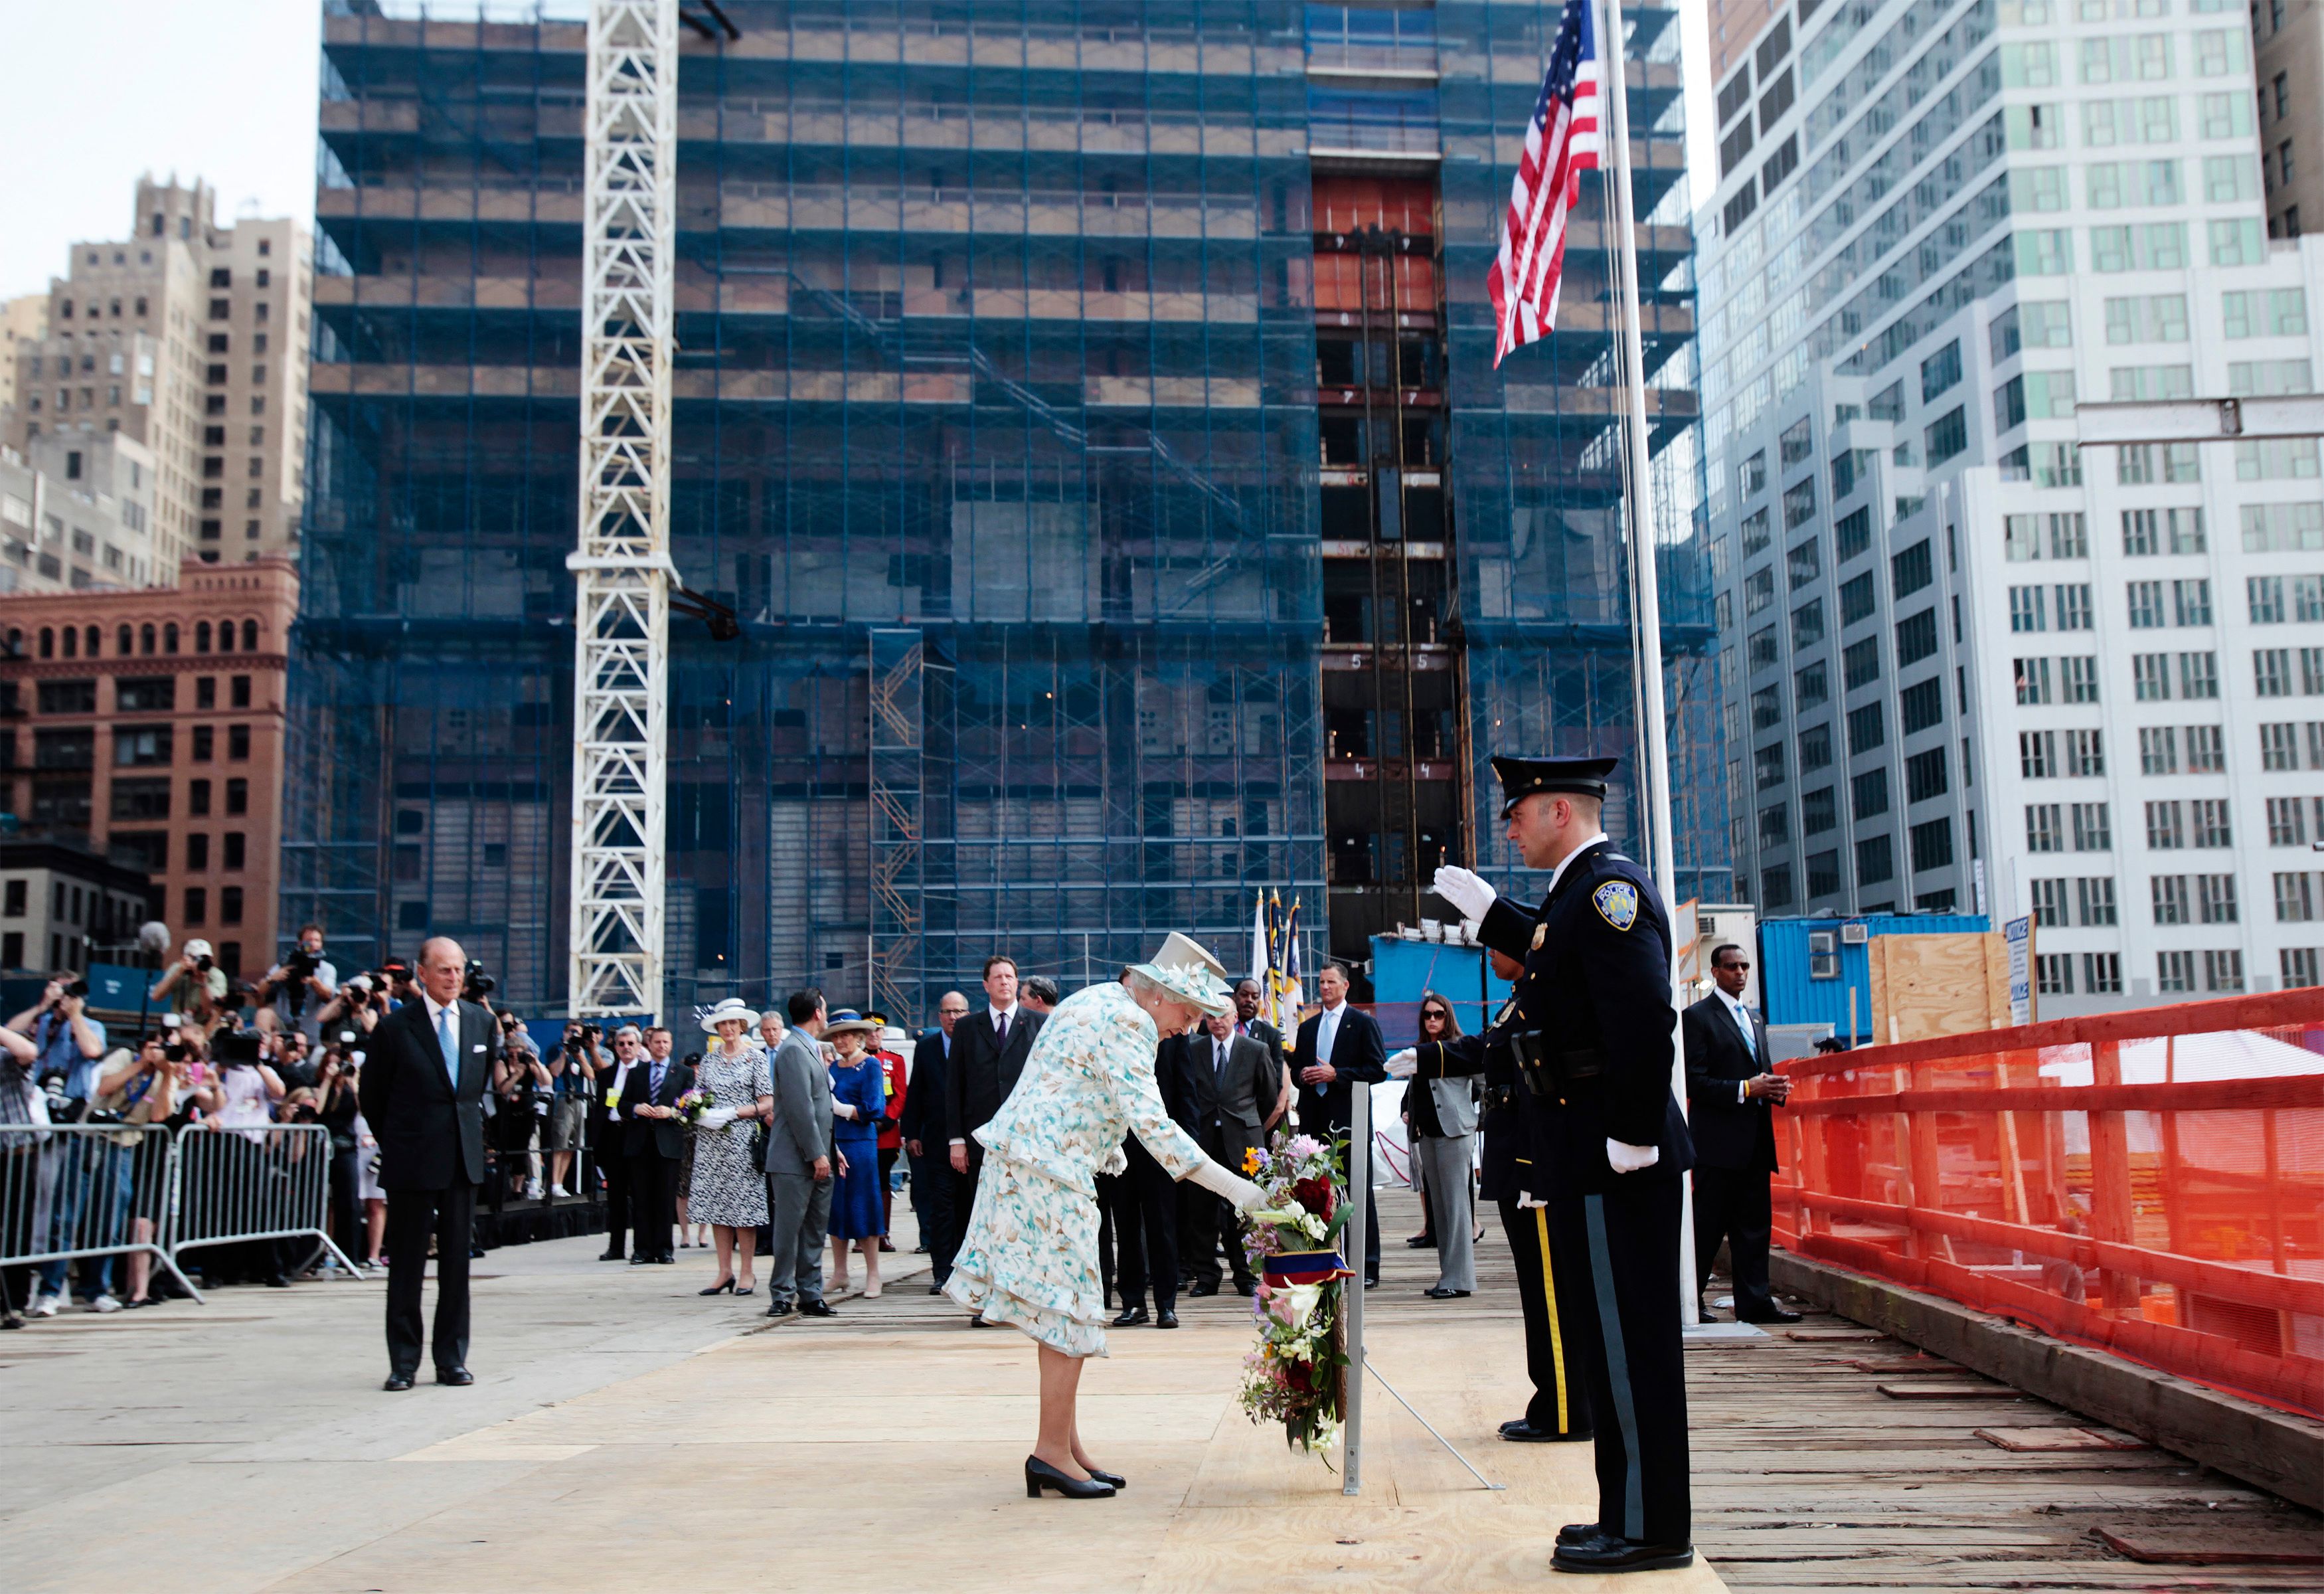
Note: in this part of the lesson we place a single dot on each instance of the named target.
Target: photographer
(521, 1094)
(134, 1091)
(287, 1050)
(294, 991)
(20, 1165)
(572, 1068)
(336, 1109)
(194, 982)
(359, 1006)
(70, 1044)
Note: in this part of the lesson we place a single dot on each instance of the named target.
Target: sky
(100, 95)
(224, 90)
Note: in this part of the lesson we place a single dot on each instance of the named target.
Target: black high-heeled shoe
(1103, 1476)
(1040, 1474)
(725, 1288)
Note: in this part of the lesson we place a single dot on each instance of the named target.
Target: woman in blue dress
(859, 1094)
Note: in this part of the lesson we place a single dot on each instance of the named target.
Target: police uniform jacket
(1596, 989)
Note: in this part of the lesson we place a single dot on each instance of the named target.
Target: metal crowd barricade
(264, 1181)
(2151, 1182)
(74, 1191)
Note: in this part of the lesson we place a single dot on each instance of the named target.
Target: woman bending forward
(1029, 1256)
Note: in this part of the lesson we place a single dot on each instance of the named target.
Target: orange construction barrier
(2149, 1182)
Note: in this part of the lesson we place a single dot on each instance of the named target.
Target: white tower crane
(623, 570)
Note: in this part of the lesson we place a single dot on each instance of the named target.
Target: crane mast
(622, 566)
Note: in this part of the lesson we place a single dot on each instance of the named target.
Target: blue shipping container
(1795, 992)
(1402, 970)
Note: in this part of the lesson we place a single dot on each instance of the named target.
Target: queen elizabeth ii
(1029, 1256)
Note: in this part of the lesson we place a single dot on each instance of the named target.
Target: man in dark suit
(1730, 1092)
(654, 1137)
(1143, 1204)
(1340, 1052)
(987, 1055)
(606, 1147)
(422, 1092)
(923, 1128)
(1232, 1084)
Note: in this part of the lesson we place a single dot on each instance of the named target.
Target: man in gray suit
(1234, 1084)
(800, 1156)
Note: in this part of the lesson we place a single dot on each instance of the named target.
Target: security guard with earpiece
(1593, 1045)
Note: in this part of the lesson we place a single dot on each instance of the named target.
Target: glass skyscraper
(1088, 413)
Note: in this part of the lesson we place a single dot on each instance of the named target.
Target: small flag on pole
(1562, 142)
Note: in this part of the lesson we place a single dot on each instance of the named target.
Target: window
(140, 798)
(1774, 827)
(1756, 534)
(237, 796)
(2215, 898)
(2158, 750)
(2211, 827)
(2287, 823)
(1803, 564)
(2207, 753)
(2074, 607)
(237, 743)
(1799, 502)
(2277, 749)
(1762, 651)
(2198, 675)
(140, 746)
(1812, 686)
(1807, 624)
(2264, 599)
(1932, 845)
(1823, 877)
(2174, 971)
(2191, 602)
(2027, 610)
(2146, 603)
(1852, 534)
(2295, 898)
(1857, 600)
(2050, 904)
(2169, 895)
(1947, 436)
(2085, 752)
(1916, 637)
(2151, 677)
(2223, 971)
(2078, 679)
(2299, 967)
(1860, 663)
(1911, 570)
(197, 905)
(2102, 973)
(1767, 709)
(2042, 831)
(1767, 765)
(2033, 676)
(1941, 371)
(2095, 893)
(1875, 860)
(2167, 827)
(2093, 831)
(1815, 747)
(1796, 443)
(1924, 775)
(1869, 793)
(1818, 813)
(1758, 590)
(1864, 728)
(2281, 528)
(2053, 973)
(2037, 754)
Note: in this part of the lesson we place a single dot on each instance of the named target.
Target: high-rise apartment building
(1974, 664)
(1090, 418)
(2289, 35)
(76, 513)
(190, 338)
(22, 319)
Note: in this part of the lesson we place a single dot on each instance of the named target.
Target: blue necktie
(448, 1040)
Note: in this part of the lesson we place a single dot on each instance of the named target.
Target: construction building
(1091, 420)
(191, 339)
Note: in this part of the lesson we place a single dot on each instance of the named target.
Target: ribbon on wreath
(1304, 1267)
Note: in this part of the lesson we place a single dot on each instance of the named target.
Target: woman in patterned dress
(728, 1192)
(1029, 1254)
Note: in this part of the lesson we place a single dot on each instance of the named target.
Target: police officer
(1594, 1054)
(1513, 1177)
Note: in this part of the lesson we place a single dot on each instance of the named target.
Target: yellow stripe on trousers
(1549, 1290)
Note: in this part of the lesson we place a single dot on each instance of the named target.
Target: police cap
(1522, 777)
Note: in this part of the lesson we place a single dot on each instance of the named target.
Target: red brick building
(152, 720)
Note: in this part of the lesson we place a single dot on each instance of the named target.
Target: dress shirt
(1327, 1032)
(436, 1012)
(997, 1017)
(1742, 1017)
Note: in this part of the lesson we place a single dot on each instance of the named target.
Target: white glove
(1238, 1191)
(1404, 1064)
(1632, 1159)
(1528, 1200)
(715, 1117)
(1465, 891)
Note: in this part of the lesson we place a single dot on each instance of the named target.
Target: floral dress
(727, 1187)
(1029, 1256)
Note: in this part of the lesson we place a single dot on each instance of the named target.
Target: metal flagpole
(1645, 594)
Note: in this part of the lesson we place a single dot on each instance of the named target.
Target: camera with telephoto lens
(298, 968)
(73, 987)
(477, 985)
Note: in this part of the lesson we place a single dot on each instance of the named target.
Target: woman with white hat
(1028, 1255)
(859, 1095)
(728, 1192)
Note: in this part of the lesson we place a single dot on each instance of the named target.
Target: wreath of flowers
(1297, 1373)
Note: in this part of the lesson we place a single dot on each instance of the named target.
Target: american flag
(1561, 143)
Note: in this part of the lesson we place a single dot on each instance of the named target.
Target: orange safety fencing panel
(2151, 1182)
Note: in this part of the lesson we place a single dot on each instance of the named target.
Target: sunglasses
(1736, 964)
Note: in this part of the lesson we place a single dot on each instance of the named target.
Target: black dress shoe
(1772, 1314)
(1165, 1318)
(1420, 1242)
(817, 1308)
(1246, 1287)
(1131, 1318)
(668, 1259)
(1442, 1294)
(1211, 1288)
(1701, 1316)
(1372, 1282)
(1607, 1553)
(609, 1257)
(781, 1308)
(458, 1377)
(397, 1383)
(935, 1289)
(1579, 1533)
(1523, 1432)
(1040, 1474)
(639, 1260)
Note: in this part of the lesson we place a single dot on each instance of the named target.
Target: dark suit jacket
(1237, 1096)
(1358, 1052)
(924, 1101)
(1187, 1092)
(978, 1077)
(431, 1136)
(1728, 1134)
(1267, 1035)
(662, 1137)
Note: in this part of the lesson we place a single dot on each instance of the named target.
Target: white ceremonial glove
(1632, 1159)
(1528, 1200)
(1239, 1193)
(1464, 890)
(715, 1117)
(1404, 1064)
